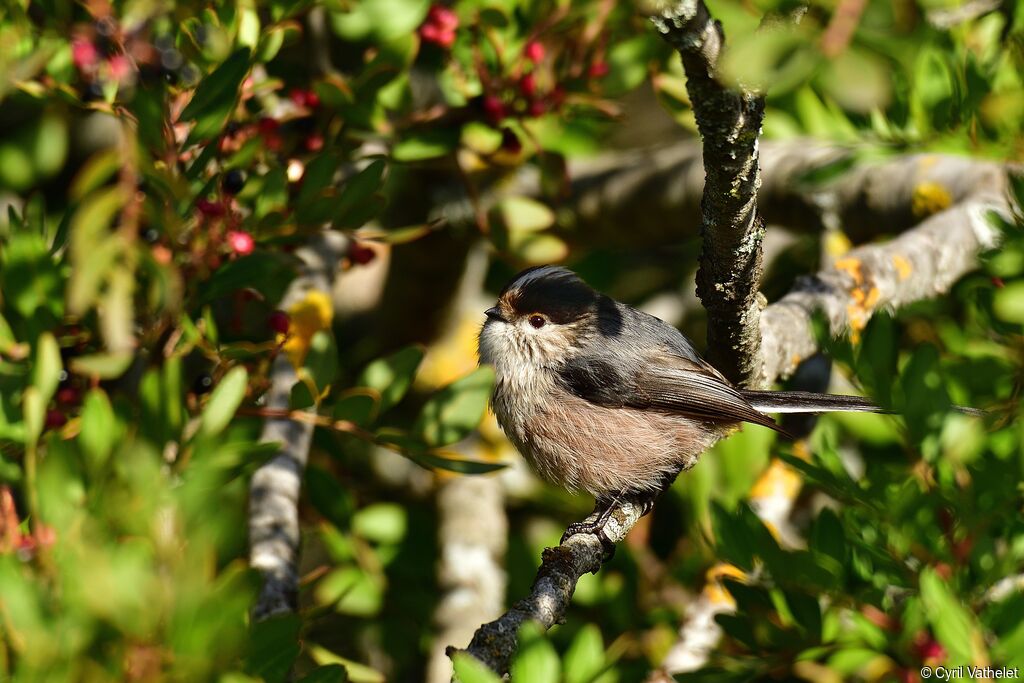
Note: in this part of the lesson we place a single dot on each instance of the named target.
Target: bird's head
(540, 317)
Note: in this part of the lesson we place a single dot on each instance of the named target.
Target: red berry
(494, 109)
(443, 18)
(55, 419)
(298, 96)
(84, 54)
(314, 142)
(241, 242)
(598, 69)
(69, 396)
(534, 51)
(439, 26)
(528, 85)
(120, 67)
(312, 99)
(927, 648)
(998, 283)
(361, 254)
(536, 108)
(209, 208)
(278, 321)
(268, 125)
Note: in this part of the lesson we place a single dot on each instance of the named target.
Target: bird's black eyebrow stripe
(551, 291)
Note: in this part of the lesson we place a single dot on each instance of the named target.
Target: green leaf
(322, 359)
(429, 144)
(828, 542)
(536, 660)
(627, 64)
(215, 96)
(100, 168)
(100, 430)
(273, 647)
(329, 673)
(93, 249)
(952, 623)
(392, 376)
(1008, 302)
(47, 367)
(224, 401)
(267, 272)
(585, 658)
(358, 190)
(438, 460)
(454, 412)
(732, 537)
(359, 405)
(357, 673)
(34, 411)
(384, 523)
(525, 214)
(102, 365)
(29, 278)
(469, 669)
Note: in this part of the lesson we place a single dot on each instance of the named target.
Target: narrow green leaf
(224, 401)
(47, 367)
(216, 95)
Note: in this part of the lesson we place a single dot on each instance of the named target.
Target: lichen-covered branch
(275, 487)
(560, 570)
(918, 264)
(729, 120)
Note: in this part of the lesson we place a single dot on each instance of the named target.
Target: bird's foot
(594, 526)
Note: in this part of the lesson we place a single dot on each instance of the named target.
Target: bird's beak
(494, 313)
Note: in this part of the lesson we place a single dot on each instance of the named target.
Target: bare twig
(730, 122)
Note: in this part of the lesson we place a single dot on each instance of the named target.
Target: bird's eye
(537, 321)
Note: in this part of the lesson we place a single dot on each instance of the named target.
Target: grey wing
(649, 364)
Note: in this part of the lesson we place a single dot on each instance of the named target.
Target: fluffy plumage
(602, 397)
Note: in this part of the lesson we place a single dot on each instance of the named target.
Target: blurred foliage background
(162, 162)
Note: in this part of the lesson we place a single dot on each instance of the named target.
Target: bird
(604, 398)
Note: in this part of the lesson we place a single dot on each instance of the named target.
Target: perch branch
(729, 121)
(560, 570)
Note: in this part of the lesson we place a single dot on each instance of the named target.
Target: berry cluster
(105, 55)
(439, 27)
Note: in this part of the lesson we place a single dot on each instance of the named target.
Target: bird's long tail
(810, 402)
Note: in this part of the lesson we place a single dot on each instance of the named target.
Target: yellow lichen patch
(903, 267)
(864, 295)
(312, 313)
(930, 198)
(850, 266)
(714, 590)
